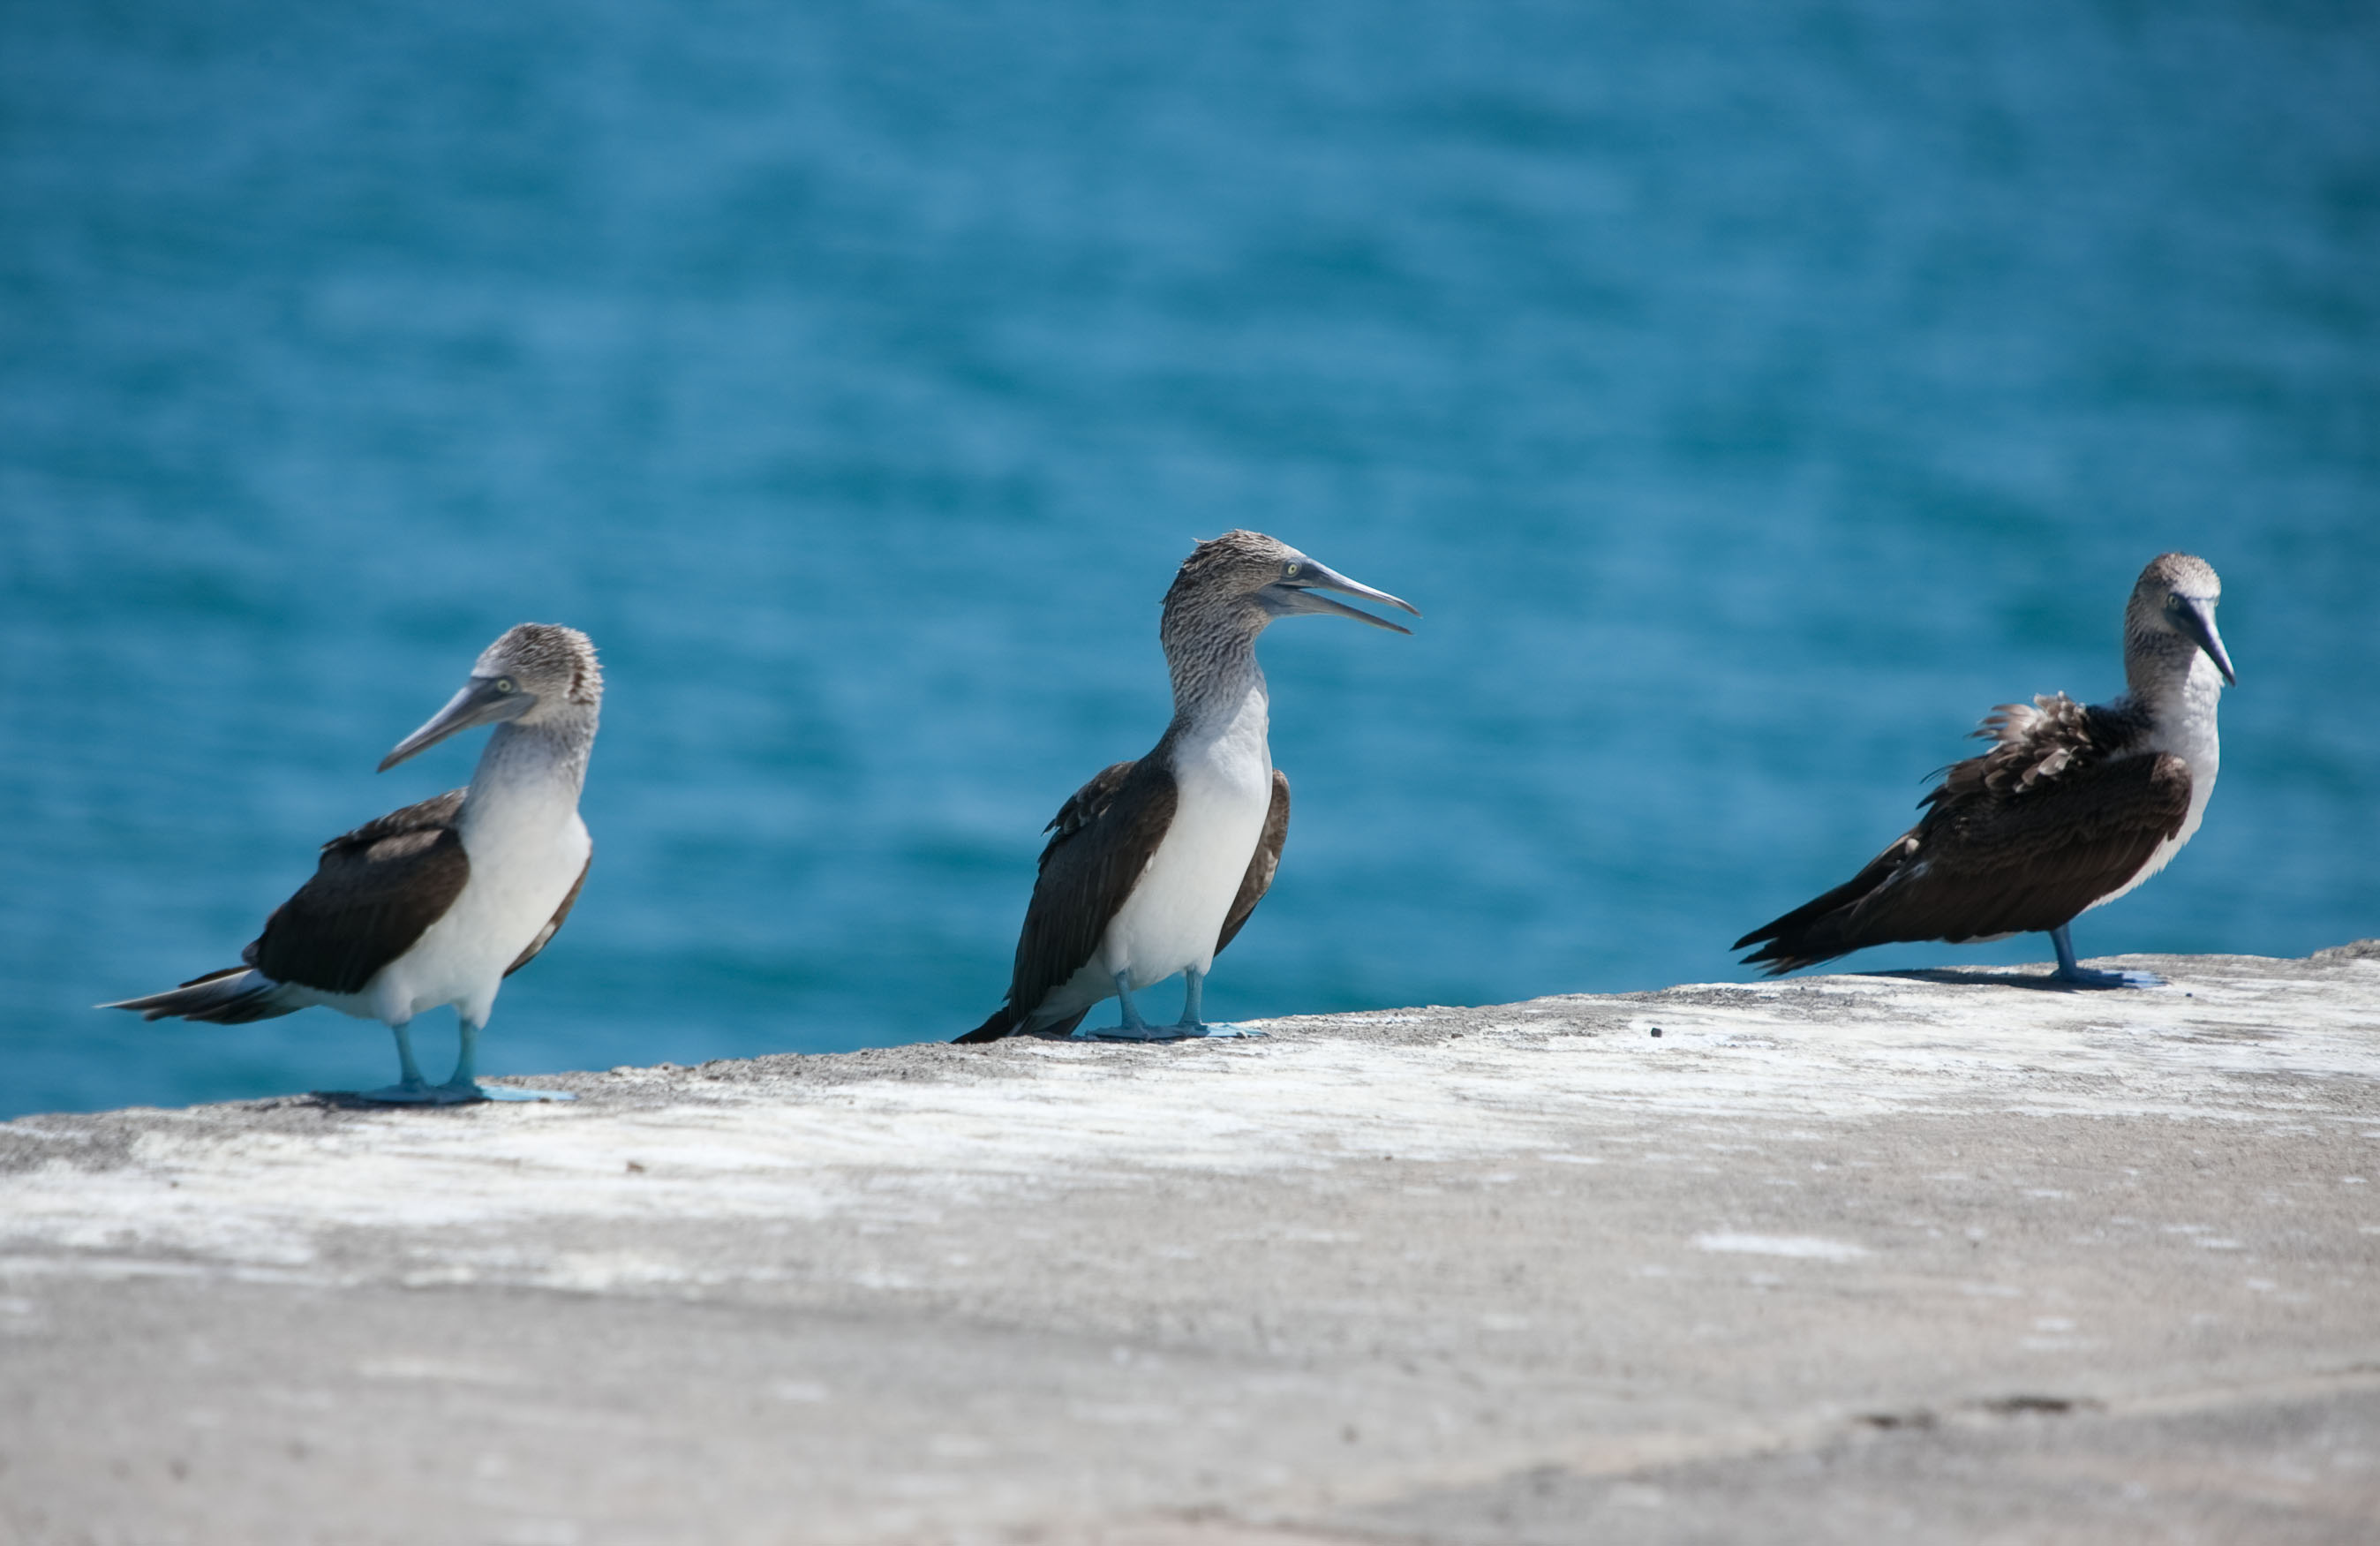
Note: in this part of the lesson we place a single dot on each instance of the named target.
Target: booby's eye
(505, 684)
(1289, 571)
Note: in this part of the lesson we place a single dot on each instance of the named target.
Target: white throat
(2181, 720)
(520, 827)
(527, 780)
(2181, 723)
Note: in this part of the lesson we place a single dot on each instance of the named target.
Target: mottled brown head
(1241, 580)
(535, 674)
(2171, 615)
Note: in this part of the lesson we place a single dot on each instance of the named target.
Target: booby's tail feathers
(230, 997)
(1837, 923)
(1779, 957)
(1005, 1022)
(1002, 1023)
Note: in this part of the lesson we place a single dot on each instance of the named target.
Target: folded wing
(374, 892)
(2018, 840)
(1101, 841)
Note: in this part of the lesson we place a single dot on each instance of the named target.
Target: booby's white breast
(527, 847)
(1223, 776)
(2184, 726)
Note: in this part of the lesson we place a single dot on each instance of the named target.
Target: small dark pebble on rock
(1656, 1030)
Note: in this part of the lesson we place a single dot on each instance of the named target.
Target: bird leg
(411, 1089)
(463, 1085)
(1194, 987)
(2070, 972)
(1134, 1028)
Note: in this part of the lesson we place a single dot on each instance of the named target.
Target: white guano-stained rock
(1952, 1256)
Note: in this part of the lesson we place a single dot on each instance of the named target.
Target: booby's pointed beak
(2196, 620)
(484, 701)
(1298, 591)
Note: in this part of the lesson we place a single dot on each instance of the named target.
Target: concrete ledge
(1952, 1257)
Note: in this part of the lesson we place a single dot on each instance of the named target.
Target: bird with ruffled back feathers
(438, 903)
(2073, 807)
(1154, 866)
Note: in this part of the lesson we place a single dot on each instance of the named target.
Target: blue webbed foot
(1134, 1028)
(2075, 975)
(464, 1092)
(1212, 1028)
(2092, 977)
(1177, 1032)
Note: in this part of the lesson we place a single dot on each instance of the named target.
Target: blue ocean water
(1751, 392)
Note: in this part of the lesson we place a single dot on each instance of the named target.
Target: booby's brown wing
(1994, 857)
(1101, 841)
(553, 924)
(374, 892)
(1261, 864)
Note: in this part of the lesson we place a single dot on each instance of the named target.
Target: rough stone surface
(1943, 1257)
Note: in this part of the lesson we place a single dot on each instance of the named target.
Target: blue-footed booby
(1153, 867)
(439, 902)
(2073, 805)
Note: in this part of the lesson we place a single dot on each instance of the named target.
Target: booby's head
(2171, 616)
(1241, 580)
(537, 673)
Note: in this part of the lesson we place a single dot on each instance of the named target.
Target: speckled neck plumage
(549, 755)
(1210, 653)
(2158, 665)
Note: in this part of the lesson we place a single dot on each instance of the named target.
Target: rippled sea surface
(1751, 394)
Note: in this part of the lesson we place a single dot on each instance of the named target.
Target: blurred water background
(1751, 392)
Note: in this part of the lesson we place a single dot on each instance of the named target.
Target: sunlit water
(1752, 394)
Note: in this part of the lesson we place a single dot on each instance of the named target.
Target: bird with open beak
(1154, 866)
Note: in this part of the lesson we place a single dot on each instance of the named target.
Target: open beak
(1287, 598)
(2198, 621)
(480, 702)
